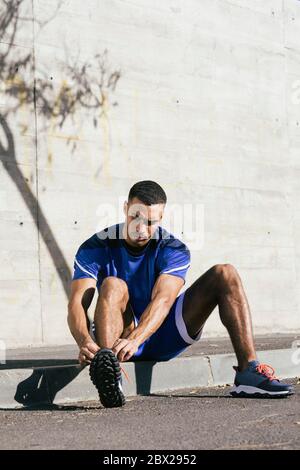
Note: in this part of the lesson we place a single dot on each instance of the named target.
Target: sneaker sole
(105, 373)
(246, 391)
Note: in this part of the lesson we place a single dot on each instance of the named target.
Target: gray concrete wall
(207, 104)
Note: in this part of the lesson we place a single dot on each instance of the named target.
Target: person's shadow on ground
(43, 385)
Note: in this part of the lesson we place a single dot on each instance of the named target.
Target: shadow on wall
(9, 162)
(86, 92)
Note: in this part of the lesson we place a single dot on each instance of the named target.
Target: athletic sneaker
(105, 373)
(258, 380)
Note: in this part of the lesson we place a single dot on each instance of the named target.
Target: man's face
(141, 220)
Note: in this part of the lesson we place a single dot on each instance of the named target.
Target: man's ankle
(245, 364)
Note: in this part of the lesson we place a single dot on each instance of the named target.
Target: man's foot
(258, 380)
(105, 373)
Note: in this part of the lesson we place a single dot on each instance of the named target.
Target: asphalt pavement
(199, 418)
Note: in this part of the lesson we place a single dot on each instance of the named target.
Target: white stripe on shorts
(181, 326)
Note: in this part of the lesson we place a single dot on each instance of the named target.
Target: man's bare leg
(113, 320)
(113, 315)
(221, 285)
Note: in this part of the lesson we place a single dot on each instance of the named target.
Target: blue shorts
(169, 340)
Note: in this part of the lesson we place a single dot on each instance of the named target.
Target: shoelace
(125, 373)
(266, 370)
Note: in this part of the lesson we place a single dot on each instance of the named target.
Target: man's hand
(124, 349)
(87, 351)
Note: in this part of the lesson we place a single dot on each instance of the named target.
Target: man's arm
(82, 293)
(163, 296)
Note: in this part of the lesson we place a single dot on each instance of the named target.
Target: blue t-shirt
(107, 254)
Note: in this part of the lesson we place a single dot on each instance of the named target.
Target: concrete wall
(207, 104)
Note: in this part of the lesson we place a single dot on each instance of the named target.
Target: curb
(71, 383)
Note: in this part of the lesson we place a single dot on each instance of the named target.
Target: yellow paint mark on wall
(25, 115)
(64, 93)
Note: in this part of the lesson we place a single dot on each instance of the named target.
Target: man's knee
(226, 274)
(115, 286)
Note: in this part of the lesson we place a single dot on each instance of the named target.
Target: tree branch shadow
(81, 90)
(87, 92)
(33, 206)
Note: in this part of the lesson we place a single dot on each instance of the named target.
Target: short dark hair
(148, 192)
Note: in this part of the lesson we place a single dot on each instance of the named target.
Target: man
(139, 270)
